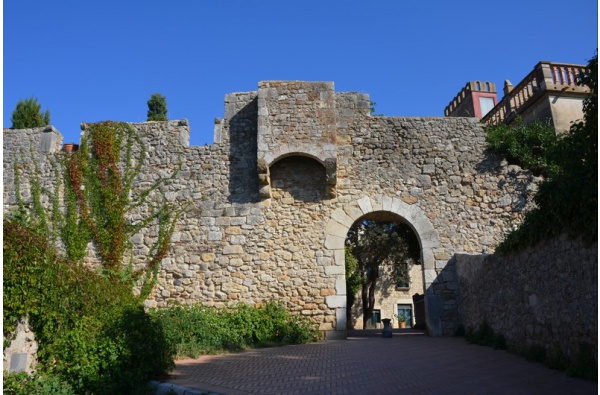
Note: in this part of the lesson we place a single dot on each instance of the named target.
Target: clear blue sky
(91, 61)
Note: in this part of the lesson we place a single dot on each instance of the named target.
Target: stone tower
(296, 117)
(476, 99)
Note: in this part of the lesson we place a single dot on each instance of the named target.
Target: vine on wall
(98, 201)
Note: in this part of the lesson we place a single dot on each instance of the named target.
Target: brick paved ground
(408, 363)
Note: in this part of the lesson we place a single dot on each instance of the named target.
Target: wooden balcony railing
(546, 76)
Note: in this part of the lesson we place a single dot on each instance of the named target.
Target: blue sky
(91, 61)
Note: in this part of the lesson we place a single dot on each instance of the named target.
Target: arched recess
(268, 160)
(335, 235)
(298, 178)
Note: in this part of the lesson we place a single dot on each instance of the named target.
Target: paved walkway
(408, 363)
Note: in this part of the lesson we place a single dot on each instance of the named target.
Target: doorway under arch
(335, 236)
(384, 256)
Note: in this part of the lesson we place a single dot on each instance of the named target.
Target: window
(375, 318)
(486, 103)
(402, 276)
(406, 310)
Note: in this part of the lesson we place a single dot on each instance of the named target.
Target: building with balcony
(548, 93)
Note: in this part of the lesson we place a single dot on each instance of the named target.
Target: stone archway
(335, 235)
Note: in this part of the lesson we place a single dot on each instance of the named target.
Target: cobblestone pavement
(408, 363)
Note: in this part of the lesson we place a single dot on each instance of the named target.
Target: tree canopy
(377, 243)
(157, 108)
(28, 114)
(567, 201)
(529, 146)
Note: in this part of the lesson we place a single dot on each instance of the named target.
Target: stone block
(333, 270)
(365, 205)
(48, 143)
(214, 236)
(428, 169)
(336, 301)
(340, 319)
(18, 363)
(334, 242)
(233, 249)
(377, 203)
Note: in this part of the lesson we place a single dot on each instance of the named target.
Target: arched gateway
(293, 165)
(335, 236)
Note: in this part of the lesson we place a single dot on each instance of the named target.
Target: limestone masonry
(549, 299)
(293, 166)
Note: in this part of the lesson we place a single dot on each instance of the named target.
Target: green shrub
(530, 146)
(567, 201)
(198, 330)
(583, 364)
(535, 353)
(557, 360)
(93, 334)
(157, 108)
(43, 384)
(27, 114)
(483, 335)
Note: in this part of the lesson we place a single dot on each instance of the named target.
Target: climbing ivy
(92, 330)
(101, 176)
(98, 199)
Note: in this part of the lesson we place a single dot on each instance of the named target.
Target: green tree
(157, 108)
(530, 146)
(353, 281)
(28, 114)
(567, 202)
(376, 243)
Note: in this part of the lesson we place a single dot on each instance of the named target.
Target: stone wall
(544, 296)
(40, 143)
(21, 353)
(261, 225)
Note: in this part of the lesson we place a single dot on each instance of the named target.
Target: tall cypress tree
(28, 114)
(157, 108)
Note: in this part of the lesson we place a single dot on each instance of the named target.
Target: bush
(528, 146)
(567, 201)
(198, 330)
(157, 108)
(93, 334)
(22, 384)
(27, 114)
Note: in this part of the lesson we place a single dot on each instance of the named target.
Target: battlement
(549, 93)
(474, 100)
(293, 166)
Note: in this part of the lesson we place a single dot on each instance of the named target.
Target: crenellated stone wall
(292, 167)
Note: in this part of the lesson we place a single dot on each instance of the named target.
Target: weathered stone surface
(260, 201)
(21, 353)
(544, 296)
